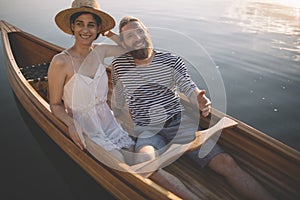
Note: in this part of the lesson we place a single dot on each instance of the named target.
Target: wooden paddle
(176, 150)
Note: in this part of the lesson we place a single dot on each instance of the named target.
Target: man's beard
(140, 54)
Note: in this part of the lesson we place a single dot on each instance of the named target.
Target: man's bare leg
(245, 184)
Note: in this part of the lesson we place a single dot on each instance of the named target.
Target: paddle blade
(204, 135)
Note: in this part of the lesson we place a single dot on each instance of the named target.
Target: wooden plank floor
(202, 181)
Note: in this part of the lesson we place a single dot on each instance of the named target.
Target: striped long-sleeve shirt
(150, 91)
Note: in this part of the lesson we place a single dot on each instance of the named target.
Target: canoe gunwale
(269, 166)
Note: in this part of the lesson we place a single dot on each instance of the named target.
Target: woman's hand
(106, 33)
(75, 132)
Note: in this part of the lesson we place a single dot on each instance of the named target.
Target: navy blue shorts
(180, 129)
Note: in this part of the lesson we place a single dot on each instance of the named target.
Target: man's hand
(204, 103)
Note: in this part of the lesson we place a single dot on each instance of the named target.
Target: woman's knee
(145, 153)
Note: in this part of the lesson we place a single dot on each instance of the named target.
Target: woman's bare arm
(56, 79)
(113, 36)
(113, 50)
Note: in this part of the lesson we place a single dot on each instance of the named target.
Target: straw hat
(62, 19)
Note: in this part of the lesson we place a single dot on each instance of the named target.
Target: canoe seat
(36, 72)
(36, 75)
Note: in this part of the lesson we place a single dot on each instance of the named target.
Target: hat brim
(62, 19)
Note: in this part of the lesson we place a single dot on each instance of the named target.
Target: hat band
(86, 7)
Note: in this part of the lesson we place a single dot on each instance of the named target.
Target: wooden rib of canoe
(275, 165)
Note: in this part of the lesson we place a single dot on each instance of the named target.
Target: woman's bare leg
(162, 177)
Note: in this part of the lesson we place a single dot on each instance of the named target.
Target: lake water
(245, 53)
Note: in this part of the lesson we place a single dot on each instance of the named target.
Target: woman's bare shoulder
(59, 63)
(100, 49)
(98, 46)
(59, 60)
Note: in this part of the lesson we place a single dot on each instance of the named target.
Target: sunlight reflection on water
(258, 16)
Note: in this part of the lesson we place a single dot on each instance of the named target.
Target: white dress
(86, 98)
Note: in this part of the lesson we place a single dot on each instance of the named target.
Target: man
(148, 80)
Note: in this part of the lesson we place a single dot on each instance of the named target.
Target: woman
(78, 87)
(78, 83)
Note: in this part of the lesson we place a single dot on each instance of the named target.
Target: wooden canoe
(275, 165)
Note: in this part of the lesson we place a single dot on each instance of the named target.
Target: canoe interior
(33, 59)
(275, 165)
